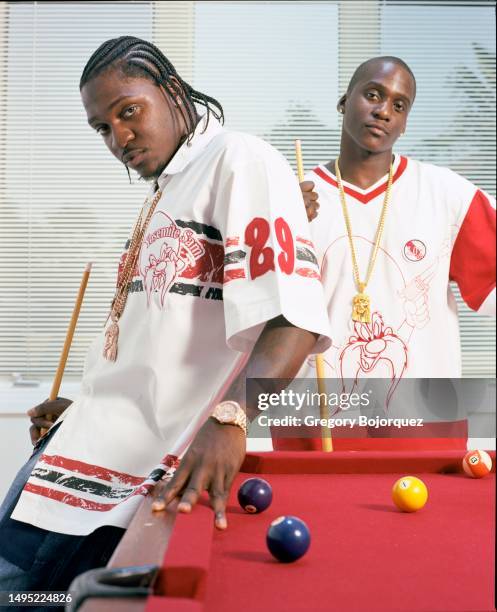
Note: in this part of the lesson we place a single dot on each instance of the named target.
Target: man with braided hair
(163, 390)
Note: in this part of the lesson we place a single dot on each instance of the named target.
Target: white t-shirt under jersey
(220, 257)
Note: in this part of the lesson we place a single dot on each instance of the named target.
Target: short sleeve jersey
(223, 254)
(439, 228)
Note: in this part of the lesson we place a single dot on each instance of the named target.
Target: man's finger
(38, 410)
(34, 433)
(56, 407)
(41, 422)
(164, 495)
(196, 485)
(218, 494)
(311, 205)
(306, 186)
(312, 212)
(188, 499)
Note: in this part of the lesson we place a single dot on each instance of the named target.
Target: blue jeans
(34, 559)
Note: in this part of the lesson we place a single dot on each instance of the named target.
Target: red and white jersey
(439, 227)
(223, 254)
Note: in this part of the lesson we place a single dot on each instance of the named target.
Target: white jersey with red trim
(439, 227)
(223, 254)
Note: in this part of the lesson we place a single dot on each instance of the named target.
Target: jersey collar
(203, 134)
(365, 195)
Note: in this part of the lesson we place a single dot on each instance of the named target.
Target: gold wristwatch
(230, 413)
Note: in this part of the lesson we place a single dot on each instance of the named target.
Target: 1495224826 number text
(14, 598)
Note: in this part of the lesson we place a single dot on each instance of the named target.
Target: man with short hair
(211, 268)
(391, 233)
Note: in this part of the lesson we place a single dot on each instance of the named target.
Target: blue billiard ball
(255, 495)
(288, 538)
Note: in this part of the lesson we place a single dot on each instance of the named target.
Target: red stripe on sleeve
(472, 263)
(233, 274)
(304, 241)
(308, 273)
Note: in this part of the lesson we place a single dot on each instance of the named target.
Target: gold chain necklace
(361, 307)
(121, 295)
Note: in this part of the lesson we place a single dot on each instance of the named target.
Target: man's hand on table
(210, 464)
(217, 451)
(40, 413)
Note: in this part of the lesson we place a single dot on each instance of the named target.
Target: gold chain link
(121, 295)
(379, 230)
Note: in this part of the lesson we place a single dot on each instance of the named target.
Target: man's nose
(383, 110)
(121, 137)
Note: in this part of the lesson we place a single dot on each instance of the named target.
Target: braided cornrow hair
(135, 57)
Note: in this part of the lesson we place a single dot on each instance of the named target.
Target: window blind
(278, 68)
(64, 200)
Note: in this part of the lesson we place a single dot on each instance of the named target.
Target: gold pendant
(361, 308)
(111, 337)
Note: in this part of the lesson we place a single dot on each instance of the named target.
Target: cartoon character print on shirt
(161, 272)
(166, 251)
(373, 349)
(380, 349)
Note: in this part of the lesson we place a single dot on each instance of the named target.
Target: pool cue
(67, 344)
(326, 441)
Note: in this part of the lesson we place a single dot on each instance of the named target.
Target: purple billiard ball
(255, 495)
(288, 538)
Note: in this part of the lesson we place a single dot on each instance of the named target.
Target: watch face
(227, 412)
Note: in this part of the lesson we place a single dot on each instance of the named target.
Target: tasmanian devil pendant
(111, 337)
(361, 311)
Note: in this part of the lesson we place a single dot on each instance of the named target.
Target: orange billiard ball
(409, 494)
(477, 463)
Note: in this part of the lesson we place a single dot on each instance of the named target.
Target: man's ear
(341, 104)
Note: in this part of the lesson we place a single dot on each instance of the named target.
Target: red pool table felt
(364, 554)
